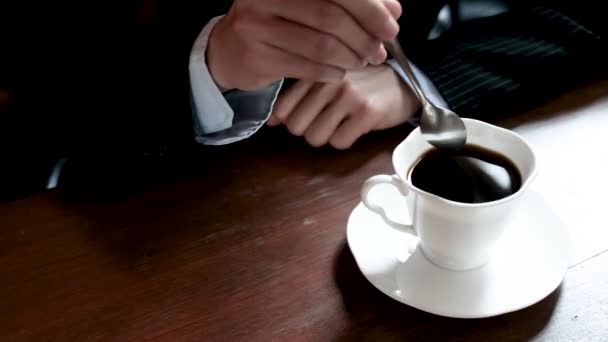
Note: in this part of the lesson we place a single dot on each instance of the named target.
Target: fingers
(318, 111)
(394, 7)
(325, 113)
(287, 102)
(335, 21)
(355, 125)
(319, 96)
(261, 41)
(326, 123)
(273, 121)
(238, 59)
(373, 16)
(309, 43)
(286, 65)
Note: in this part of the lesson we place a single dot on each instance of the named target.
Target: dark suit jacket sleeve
(491, 67)
(100, 76)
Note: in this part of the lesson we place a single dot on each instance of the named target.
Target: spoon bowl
(443, 128)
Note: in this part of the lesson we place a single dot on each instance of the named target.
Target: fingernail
(396, 9)
(392, 28)
(379, 57)
(376, 60)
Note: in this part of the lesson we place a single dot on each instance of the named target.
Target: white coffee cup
(454, 235)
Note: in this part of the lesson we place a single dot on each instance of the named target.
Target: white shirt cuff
(210, 108)
(223, 118)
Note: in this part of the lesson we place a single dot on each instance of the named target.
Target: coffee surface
(470, 175)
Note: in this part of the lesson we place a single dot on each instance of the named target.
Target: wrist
(215, 56)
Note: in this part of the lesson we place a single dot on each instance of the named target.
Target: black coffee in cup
(472, 174)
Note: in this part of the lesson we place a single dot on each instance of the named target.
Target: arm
(251, 49)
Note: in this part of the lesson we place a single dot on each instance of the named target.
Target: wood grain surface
(248, 243)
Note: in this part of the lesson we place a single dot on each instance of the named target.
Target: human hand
(374, 98)
(260, 41)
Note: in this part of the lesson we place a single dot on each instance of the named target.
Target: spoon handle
(395, 49)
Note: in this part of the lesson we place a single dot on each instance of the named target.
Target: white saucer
(529, 263)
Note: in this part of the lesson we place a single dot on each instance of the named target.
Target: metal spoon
(441, 127)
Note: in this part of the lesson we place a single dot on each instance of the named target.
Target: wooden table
(251, 246)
